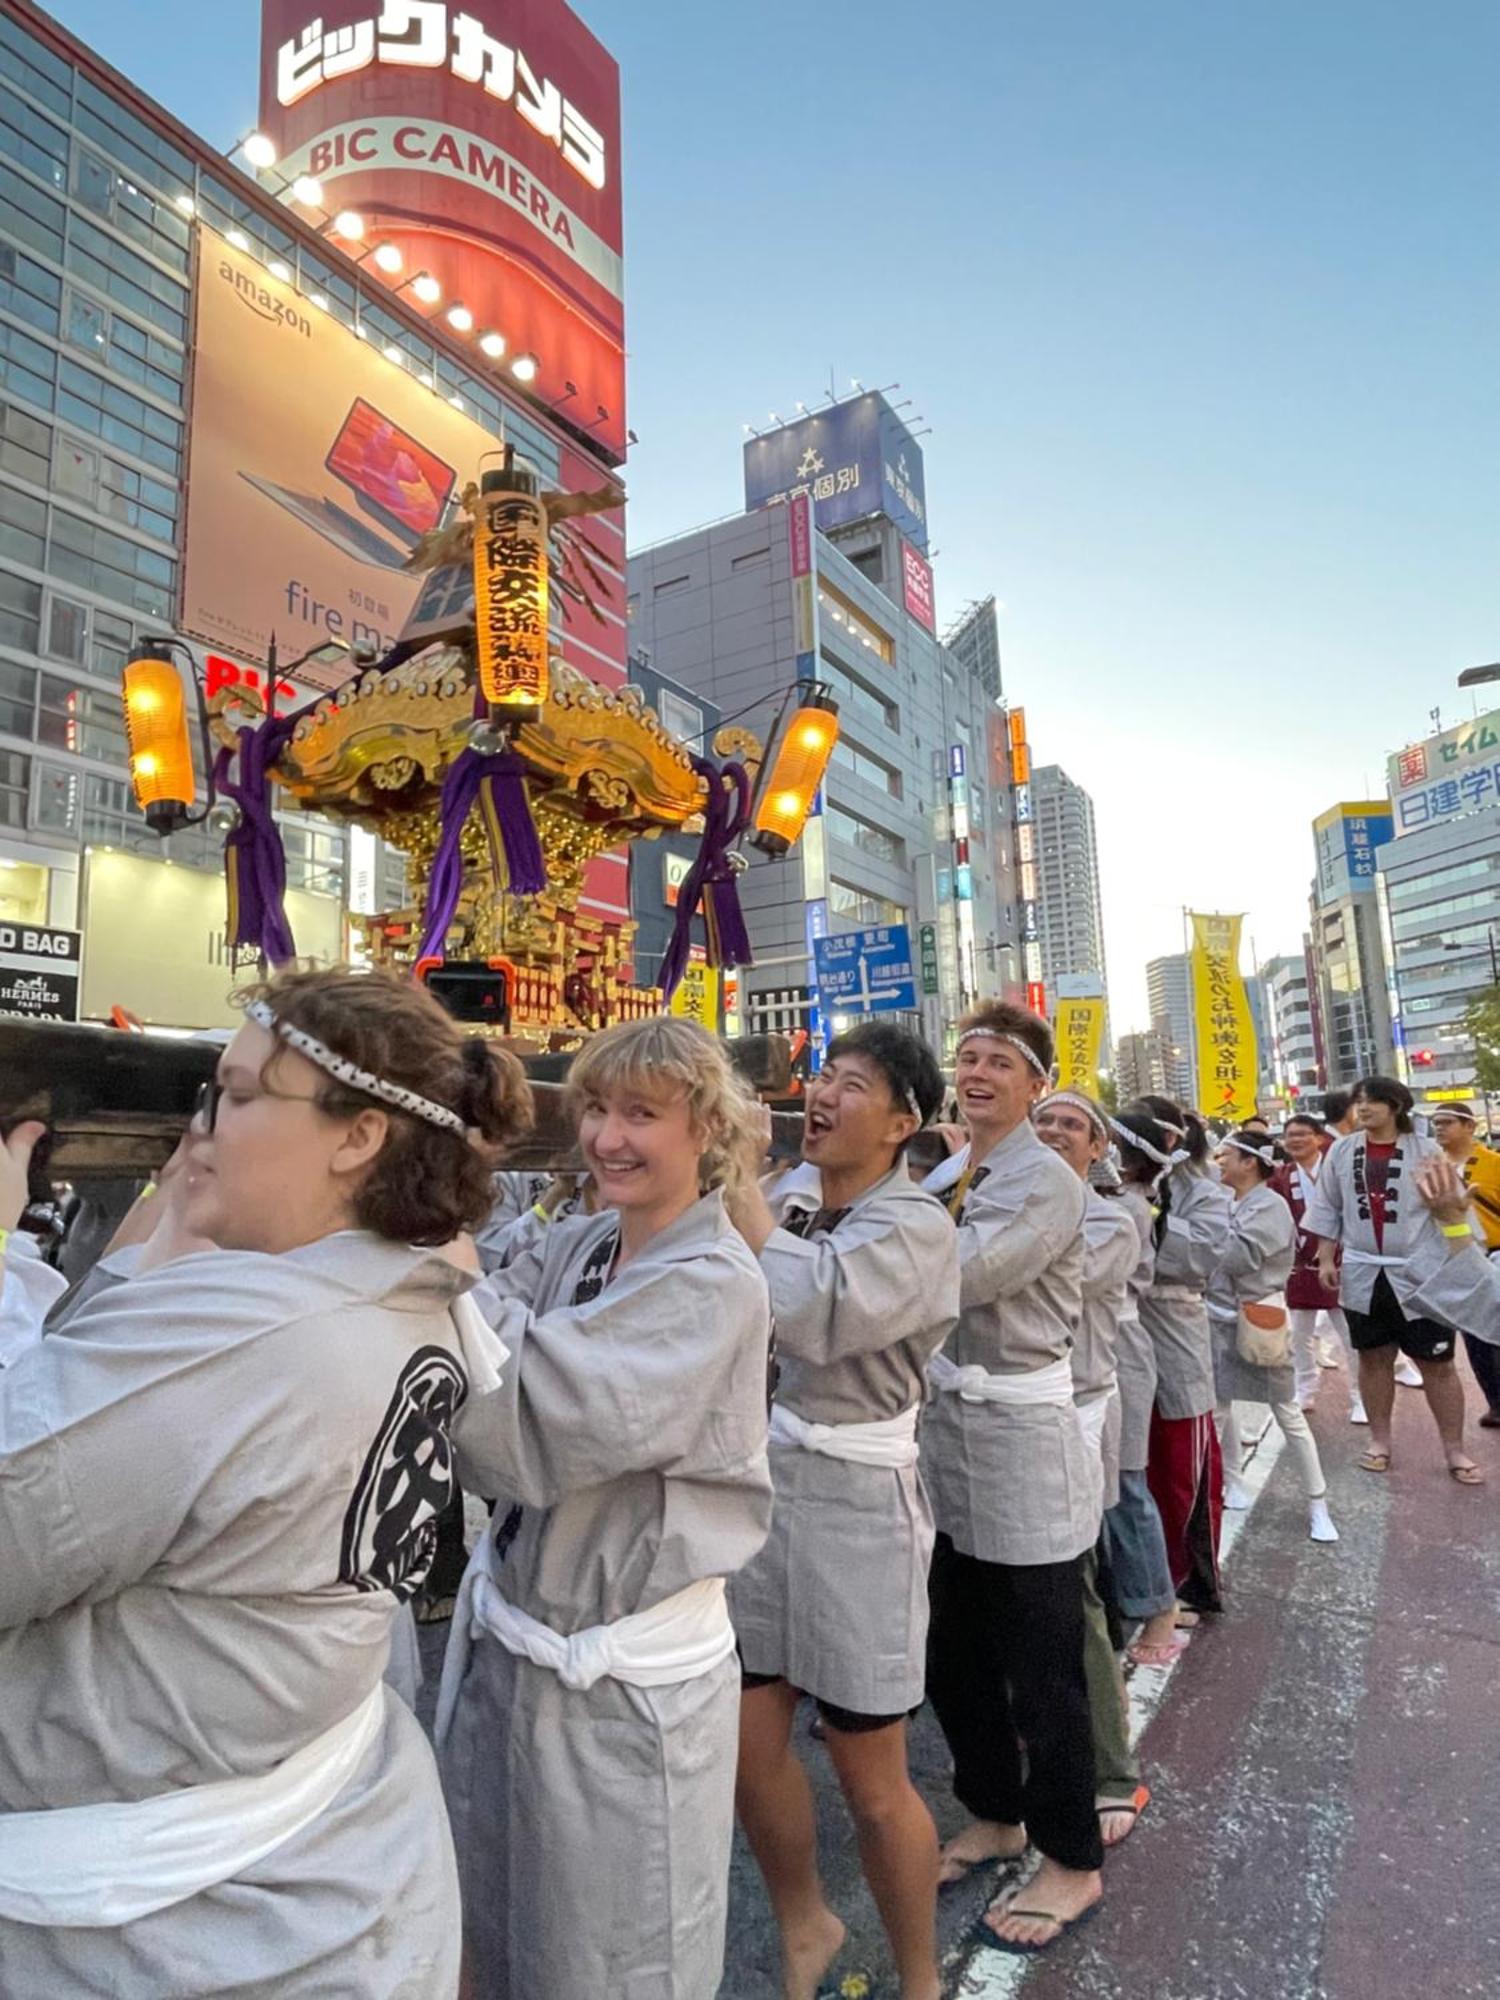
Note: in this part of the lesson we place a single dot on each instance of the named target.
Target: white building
(1070, 917)
(1291, 1062)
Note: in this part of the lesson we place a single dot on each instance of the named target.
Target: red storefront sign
(916, 584)
(481, 142)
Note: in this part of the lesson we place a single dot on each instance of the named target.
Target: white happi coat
(1112, 1251)
(213, 1482)
(1255, 1264)
(836, 1601)
(626, 1450)
(1011, 1484)
(28, 1290)
(1135, 1351)
(1333, 1213)
(1189, 1243)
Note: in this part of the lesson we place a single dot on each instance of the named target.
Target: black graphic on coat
(390, 1529)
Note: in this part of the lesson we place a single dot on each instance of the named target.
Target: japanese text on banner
(1222, 1023)
(1080, 1040)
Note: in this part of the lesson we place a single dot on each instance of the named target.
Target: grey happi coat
(1189, 1243)
(836, 1602)
(1135, 1351)
(1255, 1264)
(215, 1480)
(626, 1451)
(1334, 1213)
(1008, 1484)
(1112, 1250)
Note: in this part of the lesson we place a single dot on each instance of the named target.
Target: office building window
(34, 69)
(865, 835)
(863, 765)
(23, 527)
(27, 369)
(853, 626)
(86, 554)
(28, 291)
(15, 779)
(148, 158)
(118, 417)
(25, 445)
(680, 718)
(861, 906)
(20, 612)
(34, 143)
(121, 275)
(29, 216)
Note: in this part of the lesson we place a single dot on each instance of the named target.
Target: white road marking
(992, 1975)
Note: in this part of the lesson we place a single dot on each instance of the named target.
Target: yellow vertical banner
(696, 998)
(1080, 1040)
(1222, 1023)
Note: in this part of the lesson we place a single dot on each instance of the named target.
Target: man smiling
(1013, 1493)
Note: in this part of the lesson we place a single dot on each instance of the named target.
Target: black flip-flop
(987, 1937)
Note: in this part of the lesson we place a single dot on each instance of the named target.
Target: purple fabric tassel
(711, 880)
(254, 860)
(500, 782)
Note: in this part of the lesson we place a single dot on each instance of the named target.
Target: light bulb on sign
(460, 318)
(260, 151)
(388, 258)
(392, 354)
(349, 222)
(492, 344)
(238, 238)
(307, 188)
(185, 205)
(280, 270)
(427, 288)
(525, 368)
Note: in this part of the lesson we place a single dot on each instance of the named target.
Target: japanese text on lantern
(510, 599)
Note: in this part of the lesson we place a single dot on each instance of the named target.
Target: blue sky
(1200, 304)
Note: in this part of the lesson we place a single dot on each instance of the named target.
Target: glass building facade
(99, 195)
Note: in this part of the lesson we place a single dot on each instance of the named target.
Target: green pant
(1117, 1771)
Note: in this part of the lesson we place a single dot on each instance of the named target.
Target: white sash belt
(1050, 1387)
(1093, 1415)
(890, 1441)
(686, 1635)
(98, 1866)
(1369, 1257)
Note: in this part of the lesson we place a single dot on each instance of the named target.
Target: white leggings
(1293, 1425)
(1304, 1321)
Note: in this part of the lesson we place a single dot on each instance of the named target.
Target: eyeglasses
(211, 1094)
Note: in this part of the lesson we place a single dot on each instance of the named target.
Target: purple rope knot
(254, 859)
(497, 784)
(711, 881)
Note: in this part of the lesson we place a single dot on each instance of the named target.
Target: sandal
(1466, 1475)
(1167, 1654)
(1375, 1461)
(1135, 1805)
(986, 1935)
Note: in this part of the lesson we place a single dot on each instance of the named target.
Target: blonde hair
(665, 1056)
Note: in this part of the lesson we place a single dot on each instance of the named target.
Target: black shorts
(1385, 1325)
(848, 1721)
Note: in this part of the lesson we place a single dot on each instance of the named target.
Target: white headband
(1129, 1138)
(1000, 1035)
(350, 1073)
(1265, 1154)
(1084, 1104)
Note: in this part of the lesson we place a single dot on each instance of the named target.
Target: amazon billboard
(481, 143)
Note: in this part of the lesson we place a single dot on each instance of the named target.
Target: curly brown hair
(427, 1184)
(1004, 1017)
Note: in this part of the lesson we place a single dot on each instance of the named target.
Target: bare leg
(775, 1805)
(1377, 1388)
(1445, 1399)
(898, 1848)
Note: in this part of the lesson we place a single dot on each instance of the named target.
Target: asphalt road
(1325, 1764)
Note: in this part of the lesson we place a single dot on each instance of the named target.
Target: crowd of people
(847, 1434)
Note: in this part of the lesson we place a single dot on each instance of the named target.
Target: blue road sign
(866, 972)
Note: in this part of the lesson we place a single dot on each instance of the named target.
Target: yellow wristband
(4, 1239)
(1457, 1229)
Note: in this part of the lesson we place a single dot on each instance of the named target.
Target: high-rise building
(1346, 958)
(1438, 885)
(1290, 1058)
(974, 641)
(142, 275)
(1071, 919)
(1144, 1065)
(1169, 994)
(917, 827)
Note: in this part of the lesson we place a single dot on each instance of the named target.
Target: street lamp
(1477, 676)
